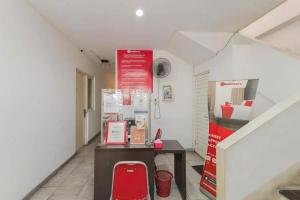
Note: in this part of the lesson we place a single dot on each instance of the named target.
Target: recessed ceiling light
(139, 12)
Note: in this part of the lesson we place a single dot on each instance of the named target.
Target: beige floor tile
(63, 197)
(43, 193)
(68, 191)
(56, 181)
(87, 193)
(75, 180)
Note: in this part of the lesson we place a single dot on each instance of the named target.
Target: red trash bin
(163, 180)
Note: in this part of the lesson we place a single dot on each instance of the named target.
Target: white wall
(37, 104)
(185, 47)
(286, 36)
(277, 72)
(176, 116)
(270, 21)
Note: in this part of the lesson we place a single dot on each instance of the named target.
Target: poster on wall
(134, 70)
(167, 91)
(230, 105)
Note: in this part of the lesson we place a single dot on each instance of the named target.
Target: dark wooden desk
(173, 146)
(106, 156)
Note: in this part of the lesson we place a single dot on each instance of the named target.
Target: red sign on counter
(134, 69)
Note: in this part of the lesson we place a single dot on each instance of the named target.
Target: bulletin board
(131, 106)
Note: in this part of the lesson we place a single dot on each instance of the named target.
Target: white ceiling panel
(104, 25)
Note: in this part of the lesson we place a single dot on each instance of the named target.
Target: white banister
(259, 151)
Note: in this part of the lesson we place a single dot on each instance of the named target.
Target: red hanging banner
(134, 69)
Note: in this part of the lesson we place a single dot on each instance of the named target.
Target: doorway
(200, 113)
(80, 109)
(85, 105)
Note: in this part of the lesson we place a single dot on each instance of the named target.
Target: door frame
(204, 72)
(86, 117)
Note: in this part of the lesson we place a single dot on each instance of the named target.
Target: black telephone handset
(158, 134)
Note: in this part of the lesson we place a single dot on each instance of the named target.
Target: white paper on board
(140, 102)
(111, 103)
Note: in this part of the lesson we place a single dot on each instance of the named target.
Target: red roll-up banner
(134, 69)
(230, 104)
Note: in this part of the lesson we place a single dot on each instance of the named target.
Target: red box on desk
(158, 144)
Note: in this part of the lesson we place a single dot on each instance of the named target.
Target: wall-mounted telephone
(158, 134)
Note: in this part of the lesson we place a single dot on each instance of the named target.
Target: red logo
(230, 83)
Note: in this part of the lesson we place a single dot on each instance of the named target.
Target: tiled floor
(75, 181)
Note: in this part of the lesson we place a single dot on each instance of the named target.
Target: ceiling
(287, 11)
(102, 26)
(285, 37)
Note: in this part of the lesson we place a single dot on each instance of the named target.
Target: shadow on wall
(109, 76)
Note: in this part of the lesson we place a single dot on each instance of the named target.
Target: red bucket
(163, 180)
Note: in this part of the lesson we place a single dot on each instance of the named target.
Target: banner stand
(230, 105)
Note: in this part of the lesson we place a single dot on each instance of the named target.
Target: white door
(80, 109)
(200, 113)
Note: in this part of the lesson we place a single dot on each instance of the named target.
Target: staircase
(285, 186)
(290, 193)
(262, 157)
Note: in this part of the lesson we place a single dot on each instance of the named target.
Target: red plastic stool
(130, 181)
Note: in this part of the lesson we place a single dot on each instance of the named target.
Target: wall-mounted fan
(161, 69)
